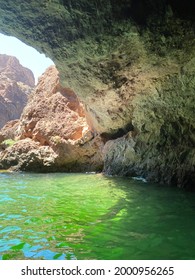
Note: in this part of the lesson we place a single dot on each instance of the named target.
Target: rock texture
(52, 133)
(160, 145)
(132, 65)
(16, 83)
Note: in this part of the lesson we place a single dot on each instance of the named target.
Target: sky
(28, 56)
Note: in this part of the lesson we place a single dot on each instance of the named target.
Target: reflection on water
(89, 216)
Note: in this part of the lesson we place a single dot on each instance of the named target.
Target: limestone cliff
(16, 83)
(52, 133)
(132, 65)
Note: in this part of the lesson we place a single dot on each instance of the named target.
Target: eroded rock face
(52, 133)
(160, 146)
(16, 83)
(132, 65)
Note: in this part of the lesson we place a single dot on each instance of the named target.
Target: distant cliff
(16, 82)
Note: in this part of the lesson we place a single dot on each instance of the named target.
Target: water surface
(89, 216)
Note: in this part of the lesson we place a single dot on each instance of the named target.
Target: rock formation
(132, 65)
(16, 83)
(52, 133)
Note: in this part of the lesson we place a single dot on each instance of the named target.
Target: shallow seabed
(90, 216)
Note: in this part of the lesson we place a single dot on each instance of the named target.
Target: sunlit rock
(56, 134)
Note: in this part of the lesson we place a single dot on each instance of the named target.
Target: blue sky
(27, 55)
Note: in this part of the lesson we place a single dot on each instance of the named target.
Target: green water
(88, 216)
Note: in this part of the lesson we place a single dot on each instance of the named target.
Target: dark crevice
(119, 133)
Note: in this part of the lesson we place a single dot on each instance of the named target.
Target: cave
(131, 63)
(101, 163)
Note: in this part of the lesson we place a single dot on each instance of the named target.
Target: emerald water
(89, 216)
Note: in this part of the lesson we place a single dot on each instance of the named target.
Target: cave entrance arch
(27, 55)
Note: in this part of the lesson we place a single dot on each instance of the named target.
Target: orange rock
(53, 126)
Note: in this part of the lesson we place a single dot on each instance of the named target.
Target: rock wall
(132, 65)
(16, 82)
(160, 145)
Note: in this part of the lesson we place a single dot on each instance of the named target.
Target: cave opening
(27, 55)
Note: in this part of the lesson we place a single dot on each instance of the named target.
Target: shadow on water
(79, 216)
(148, 222)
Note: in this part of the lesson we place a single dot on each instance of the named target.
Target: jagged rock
(52, 133)
(52, 111)
(27, 155)
(16, 83)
